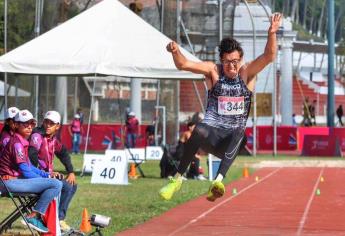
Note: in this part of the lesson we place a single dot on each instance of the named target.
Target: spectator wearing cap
(22, 177)
(132, 130)
(43, 147)
(75, 130)
(9, 128)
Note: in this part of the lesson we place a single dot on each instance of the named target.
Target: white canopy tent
(107, 39)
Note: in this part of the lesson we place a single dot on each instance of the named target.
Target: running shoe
(37, 224)
(215, 191)
(168, 190)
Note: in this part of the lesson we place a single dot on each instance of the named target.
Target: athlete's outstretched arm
(182, 63)
(270, 52)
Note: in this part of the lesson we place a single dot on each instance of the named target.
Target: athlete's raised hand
(172, 47)
(275, 22)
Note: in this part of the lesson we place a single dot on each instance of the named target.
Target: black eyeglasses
(234, 62)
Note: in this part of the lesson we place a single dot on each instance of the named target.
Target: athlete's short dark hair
(229, 45)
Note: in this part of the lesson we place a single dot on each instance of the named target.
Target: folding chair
(23, 202)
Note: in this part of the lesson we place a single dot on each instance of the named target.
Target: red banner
(286, 138)
(289, 138)
(303, 131)
(321, 145)
(340, 134)
(101, 136)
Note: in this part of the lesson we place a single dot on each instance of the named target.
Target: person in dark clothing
(312, 112)
(340, 114)
(306, 113)
(42, 149)
(150, 135)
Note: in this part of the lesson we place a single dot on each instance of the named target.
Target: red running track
(281, 202)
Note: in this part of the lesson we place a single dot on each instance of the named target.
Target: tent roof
(107, 39)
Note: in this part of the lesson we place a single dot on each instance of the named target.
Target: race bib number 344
(230, 105)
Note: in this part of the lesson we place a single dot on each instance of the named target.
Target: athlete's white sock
(178, 176)
(219, 177)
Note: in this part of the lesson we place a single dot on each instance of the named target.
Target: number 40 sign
(111, 170)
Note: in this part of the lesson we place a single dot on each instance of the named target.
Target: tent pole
(90, 114)
(220, 18)
(156, 118)
(254, 105)
(76, 95)
(178, 40)
(5, 48)
(157, 112)
(39, 8)
(5, 51)
(274, 94)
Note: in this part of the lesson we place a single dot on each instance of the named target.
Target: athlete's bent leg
(232, 148)
(192, 145)
(190, 148)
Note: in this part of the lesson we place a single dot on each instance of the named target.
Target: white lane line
(307, 208)
(222, 203)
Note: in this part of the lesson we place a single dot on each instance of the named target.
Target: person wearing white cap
(22, 177)
(44, 146)
(75, 130)
(9, 128)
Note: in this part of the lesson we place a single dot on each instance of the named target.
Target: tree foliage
(21, 19)
(311, 16)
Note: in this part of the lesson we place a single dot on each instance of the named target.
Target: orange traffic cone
(132, 172)
(245, 172)
(85, 225)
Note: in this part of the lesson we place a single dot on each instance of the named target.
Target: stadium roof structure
(314, 47)
(107, 39)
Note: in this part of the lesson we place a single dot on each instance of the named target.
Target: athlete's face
(25, 128)
(231, 64)
(50, 127)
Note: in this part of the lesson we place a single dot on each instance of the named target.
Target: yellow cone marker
(257, 178)
(322, 179)
(318, 192)
(234, 191)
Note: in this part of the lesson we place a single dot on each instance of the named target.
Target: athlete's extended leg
(190, 148)
(233, 144)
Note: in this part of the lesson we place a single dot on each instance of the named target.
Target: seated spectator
(9, 128)
(42, 149)
(150, 135)
(170, 160)
(193, 171)
(21, 177)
